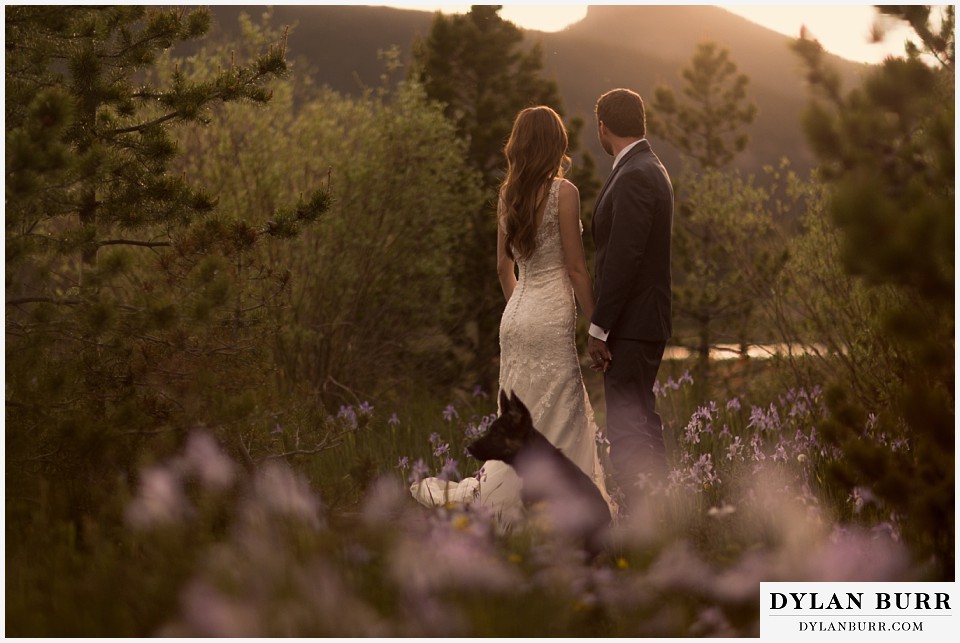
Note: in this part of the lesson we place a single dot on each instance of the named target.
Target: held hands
(599, 353)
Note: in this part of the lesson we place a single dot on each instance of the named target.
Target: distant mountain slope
(338, 42)
(643, 46)
(674, 31)
(629, 46)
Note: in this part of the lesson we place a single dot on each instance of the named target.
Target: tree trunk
(703, 360)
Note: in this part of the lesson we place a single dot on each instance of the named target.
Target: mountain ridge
(613, 45)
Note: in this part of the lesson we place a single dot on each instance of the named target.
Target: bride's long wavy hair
(536, 153)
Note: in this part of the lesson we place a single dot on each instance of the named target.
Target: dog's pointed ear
(504, 402)
(517, 404)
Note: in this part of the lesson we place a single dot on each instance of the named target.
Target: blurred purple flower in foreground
(159, 500)
(204, 459)
(418, 472)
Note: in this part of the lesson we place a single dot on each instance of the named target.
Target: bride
(539, 231)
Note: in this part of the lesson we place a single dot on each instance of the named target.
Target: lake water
(732, 351)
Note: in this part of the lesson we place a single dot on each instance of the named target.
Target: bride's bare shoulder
(568, 189)
(568, 192)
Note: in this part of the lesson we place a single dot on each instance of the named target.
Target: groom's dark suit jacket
(632, 222)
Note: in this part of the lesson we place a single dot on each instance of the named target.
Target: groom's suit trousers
(634, 427)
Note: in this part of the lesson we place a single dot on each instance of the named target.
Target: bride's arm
(572, 242)
(505, 265)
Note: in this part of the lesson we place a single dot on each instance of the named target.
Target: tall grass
(334, 544)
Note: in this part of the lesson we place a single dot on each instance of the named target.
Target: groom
(631, 322)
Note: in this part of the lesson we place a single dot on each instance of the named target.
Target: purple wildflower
(418, 472)
(675, 478)
(394, 420)
(757, 444)
(434, 438)
(473, 431)
(365, 409)
(450, 413)
(204, 459)
(886, 529)
(780, 455)
(160, 499)
(349, 416)
(479, 392)
(277, 429)
(404, 463)
(733, 404)
(701, 473)
(764, 419)
(442, 449)
(449, 470)
(692, 430)
(733, 451)
(799, 409)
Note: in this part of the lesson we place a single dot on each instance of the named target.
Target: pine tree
(887, 152)
(479, 68)
(708, 126)
(124, 316)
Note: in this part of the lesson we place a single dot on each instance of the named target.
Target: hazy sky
(843, 29)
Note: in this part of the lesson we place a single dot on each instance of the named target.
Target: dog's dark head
(508, 433)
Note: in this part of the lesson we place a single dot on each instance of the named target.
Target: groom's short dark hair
(621, 110)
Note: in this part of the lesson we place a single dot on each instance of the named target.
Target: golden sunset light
(842, 29)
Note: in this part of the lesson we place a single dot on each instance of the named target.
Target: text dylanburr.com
(858, 611)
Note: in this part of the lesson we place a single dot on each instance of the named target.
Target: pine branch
(141, 43)
(143, 126)
(43, 300)
(178, 113)
(323, 446)
(34, 458)
(135, 242)
(143, 432)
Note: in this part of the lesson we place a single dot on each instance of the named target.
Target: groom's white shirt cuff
(599, 333)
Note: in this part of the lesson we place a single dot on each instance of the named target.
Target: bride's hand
(599, 353)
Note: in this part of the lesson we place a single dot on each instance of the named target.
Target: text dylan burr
(855, 601)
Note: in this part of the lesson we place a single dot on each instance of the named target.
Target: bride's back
(547, 257)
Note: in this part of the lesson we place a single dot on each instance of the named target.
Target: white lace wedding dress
(539, 362)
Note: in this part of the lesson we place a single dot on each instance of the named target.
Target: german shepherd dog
(552, 484)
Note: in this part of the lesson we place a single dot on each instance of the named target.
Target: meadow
(333, 544)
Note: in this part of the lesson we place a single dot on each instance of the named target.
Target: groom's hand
(599, 353)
